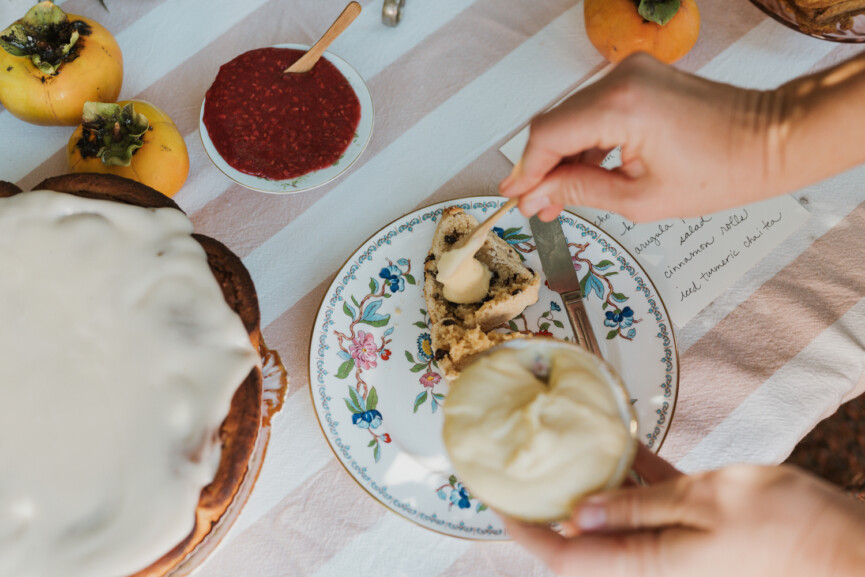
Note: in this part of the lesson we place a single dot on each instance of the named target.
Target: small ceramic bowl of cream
(534, 425)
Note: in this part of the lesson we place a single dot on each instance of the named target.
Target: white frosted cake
(119, 358)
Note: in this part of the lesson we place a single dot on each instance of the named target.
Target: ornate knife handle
(573, 302)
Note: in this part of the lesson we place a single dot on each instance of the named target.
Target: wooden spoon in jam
(308, 60)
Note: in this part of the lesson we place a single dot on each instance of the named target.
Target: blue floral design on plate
(367, 419)
(455, 493)
(622, 319)
(393, 276)
(460, 497)
(424, 348)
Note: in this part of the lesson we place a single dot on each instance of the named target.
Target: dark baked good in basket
(825, 15)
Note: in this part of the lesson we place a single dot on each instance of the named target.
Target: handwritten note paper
(692, 261)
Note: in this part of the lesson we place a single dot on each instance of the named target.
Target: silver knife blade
(555, 255)
(562, 277)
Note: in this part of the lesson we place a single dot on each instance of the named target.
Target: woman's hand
(689, 146)
(742, 520)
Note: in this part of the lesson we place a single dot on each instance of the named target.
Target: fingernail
(567, 529)
(591, 516)
(551, 213)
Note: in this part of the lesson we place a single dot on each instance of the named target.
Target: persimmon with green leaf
(133, 139)
(666, 29)
(51, 63)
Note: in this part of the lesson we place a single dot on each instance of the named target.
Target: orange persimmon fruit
(133, 139)
(51, 63)
(666, 29)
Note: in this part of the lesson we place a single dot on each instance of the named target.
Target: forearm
(820, 126)
(834, 537)
(848, 554)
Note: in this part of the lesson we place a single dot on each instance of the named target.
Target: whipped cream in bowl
(534, 425)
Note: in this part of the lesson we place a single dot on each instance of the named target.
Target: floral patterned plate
(374, 380)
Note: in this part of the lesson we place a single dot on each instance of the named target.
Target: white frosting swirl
(118, 361)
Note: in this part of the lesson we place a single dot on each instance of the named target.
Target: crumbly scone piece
(461, 331)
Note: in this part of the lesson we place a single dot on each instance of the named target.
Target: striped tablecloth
(759, 367)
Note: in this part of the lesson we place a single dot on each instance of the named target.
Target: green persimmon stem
(658, 11)
(46, 36)
(116, 131)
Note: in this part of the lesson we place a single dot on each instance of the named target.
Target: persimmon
(51, 63)
(666, 29)
(133, 139)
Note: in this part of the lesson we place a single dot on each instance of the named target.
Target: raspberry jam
(280, 126)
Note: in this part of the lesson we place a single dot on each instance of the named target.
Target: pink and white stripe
(454, 81)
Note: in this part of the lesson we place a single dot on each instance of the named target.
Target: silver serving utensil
(562, 278)
(391, 12)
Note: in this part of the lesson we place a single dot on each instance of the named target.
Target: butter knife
(562, 278)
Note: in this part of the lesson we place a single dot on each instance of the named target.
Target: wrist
(849, 554)
(788, 137)
(822, 124)
(760, 143)
(833, 543)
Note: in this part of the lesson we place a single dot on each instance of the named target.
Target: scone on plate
(461, 331)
